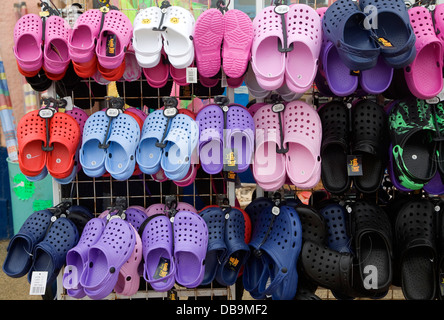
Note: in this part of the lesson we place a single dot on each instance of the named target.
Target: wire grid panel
(98, 194)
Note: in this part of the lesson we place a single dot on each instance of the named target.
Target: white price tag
(69, 104)
(38, 283)
(191, 75)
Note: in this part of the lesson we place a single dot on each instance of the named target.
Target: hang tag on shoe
(354, 165)
(111, 41)
(38, 283)
(233, 262)
(279, 108)
(230, 159)
(44, 14)
(163, 268)
(382, 42)
(441, 283)
(230, 176)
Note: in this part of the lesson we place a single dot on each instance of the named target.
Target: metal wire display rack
(98, 194)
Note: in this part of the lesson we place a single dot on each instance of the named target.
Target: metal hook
(221, 6)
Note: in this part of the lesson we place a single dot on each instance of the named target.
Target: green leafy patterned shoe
(412, 133)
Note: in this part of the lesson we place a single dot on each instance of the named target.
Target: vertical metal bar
(259, 6)
(94, 195)
(111, 188)
(56, 192)
(194, 193)
(141, 92)
(161, 192)
(90, 96)
(211, 189)
(77, 189)
(231, 187)
(259, 192)
(127, 193)
(144, 190)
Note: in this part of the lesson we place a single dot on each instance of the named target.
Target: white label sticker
(275, 211)
(46, 113)
(170, 112)
(116, 216)
(191, 75)
(38, 283)
(112, 112)
(281, 9)
(433, 100)
(278, 107)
